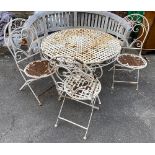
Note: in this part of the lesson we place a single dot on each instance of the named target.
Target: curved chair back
(22, 43)
(138, 30)
(12, 25)
(66, 66)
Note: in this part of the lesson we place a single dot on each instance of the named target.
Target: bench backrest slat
(50, 21)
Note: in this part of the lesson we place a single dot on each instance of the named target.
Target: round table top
(87, 45)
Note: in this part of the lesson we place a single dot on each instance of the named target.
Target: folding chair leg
(25, 84)
(56, 124)
(99, 101)
(137, 79)
(35, 95)
(60, 96)
(62, 118)
(111, 68)
(113, 77)
(134, 82)
(85, 136)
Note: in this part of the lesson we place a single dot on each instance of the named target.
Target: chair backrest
(67, 66)
(138, 30)
(75, 78)
(12, 25)
(22, 43)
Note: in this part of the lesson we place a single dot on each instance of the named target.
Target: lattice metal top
(87, 45)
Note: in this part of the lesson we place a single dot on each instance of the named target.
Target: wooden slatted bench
(47, 22)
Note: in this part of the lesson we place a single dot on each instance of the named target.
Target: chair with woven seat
(23, 45)
(74, 80)
(131, 58)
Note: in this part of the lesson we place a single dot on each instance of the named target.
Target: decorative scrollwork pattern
(138, 30)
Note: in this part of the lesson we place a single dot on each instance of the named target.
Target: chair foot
(56, 125)
(99, 101)
(111, 69)
(84, 137)
(97, 108)
(59, 98)
(21, 88)
(40, 104)
(112, 87)
(137, 87)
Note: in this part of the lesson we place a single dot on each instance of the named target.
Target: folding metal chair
(24, 46)
(131, 61)
(74, 80)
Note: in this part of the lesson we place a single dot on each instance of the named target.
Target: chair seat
(81, 87)
(131, 61)
(39, 69)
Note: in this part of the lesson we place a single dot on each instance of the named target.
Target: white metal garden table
(91, 46)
